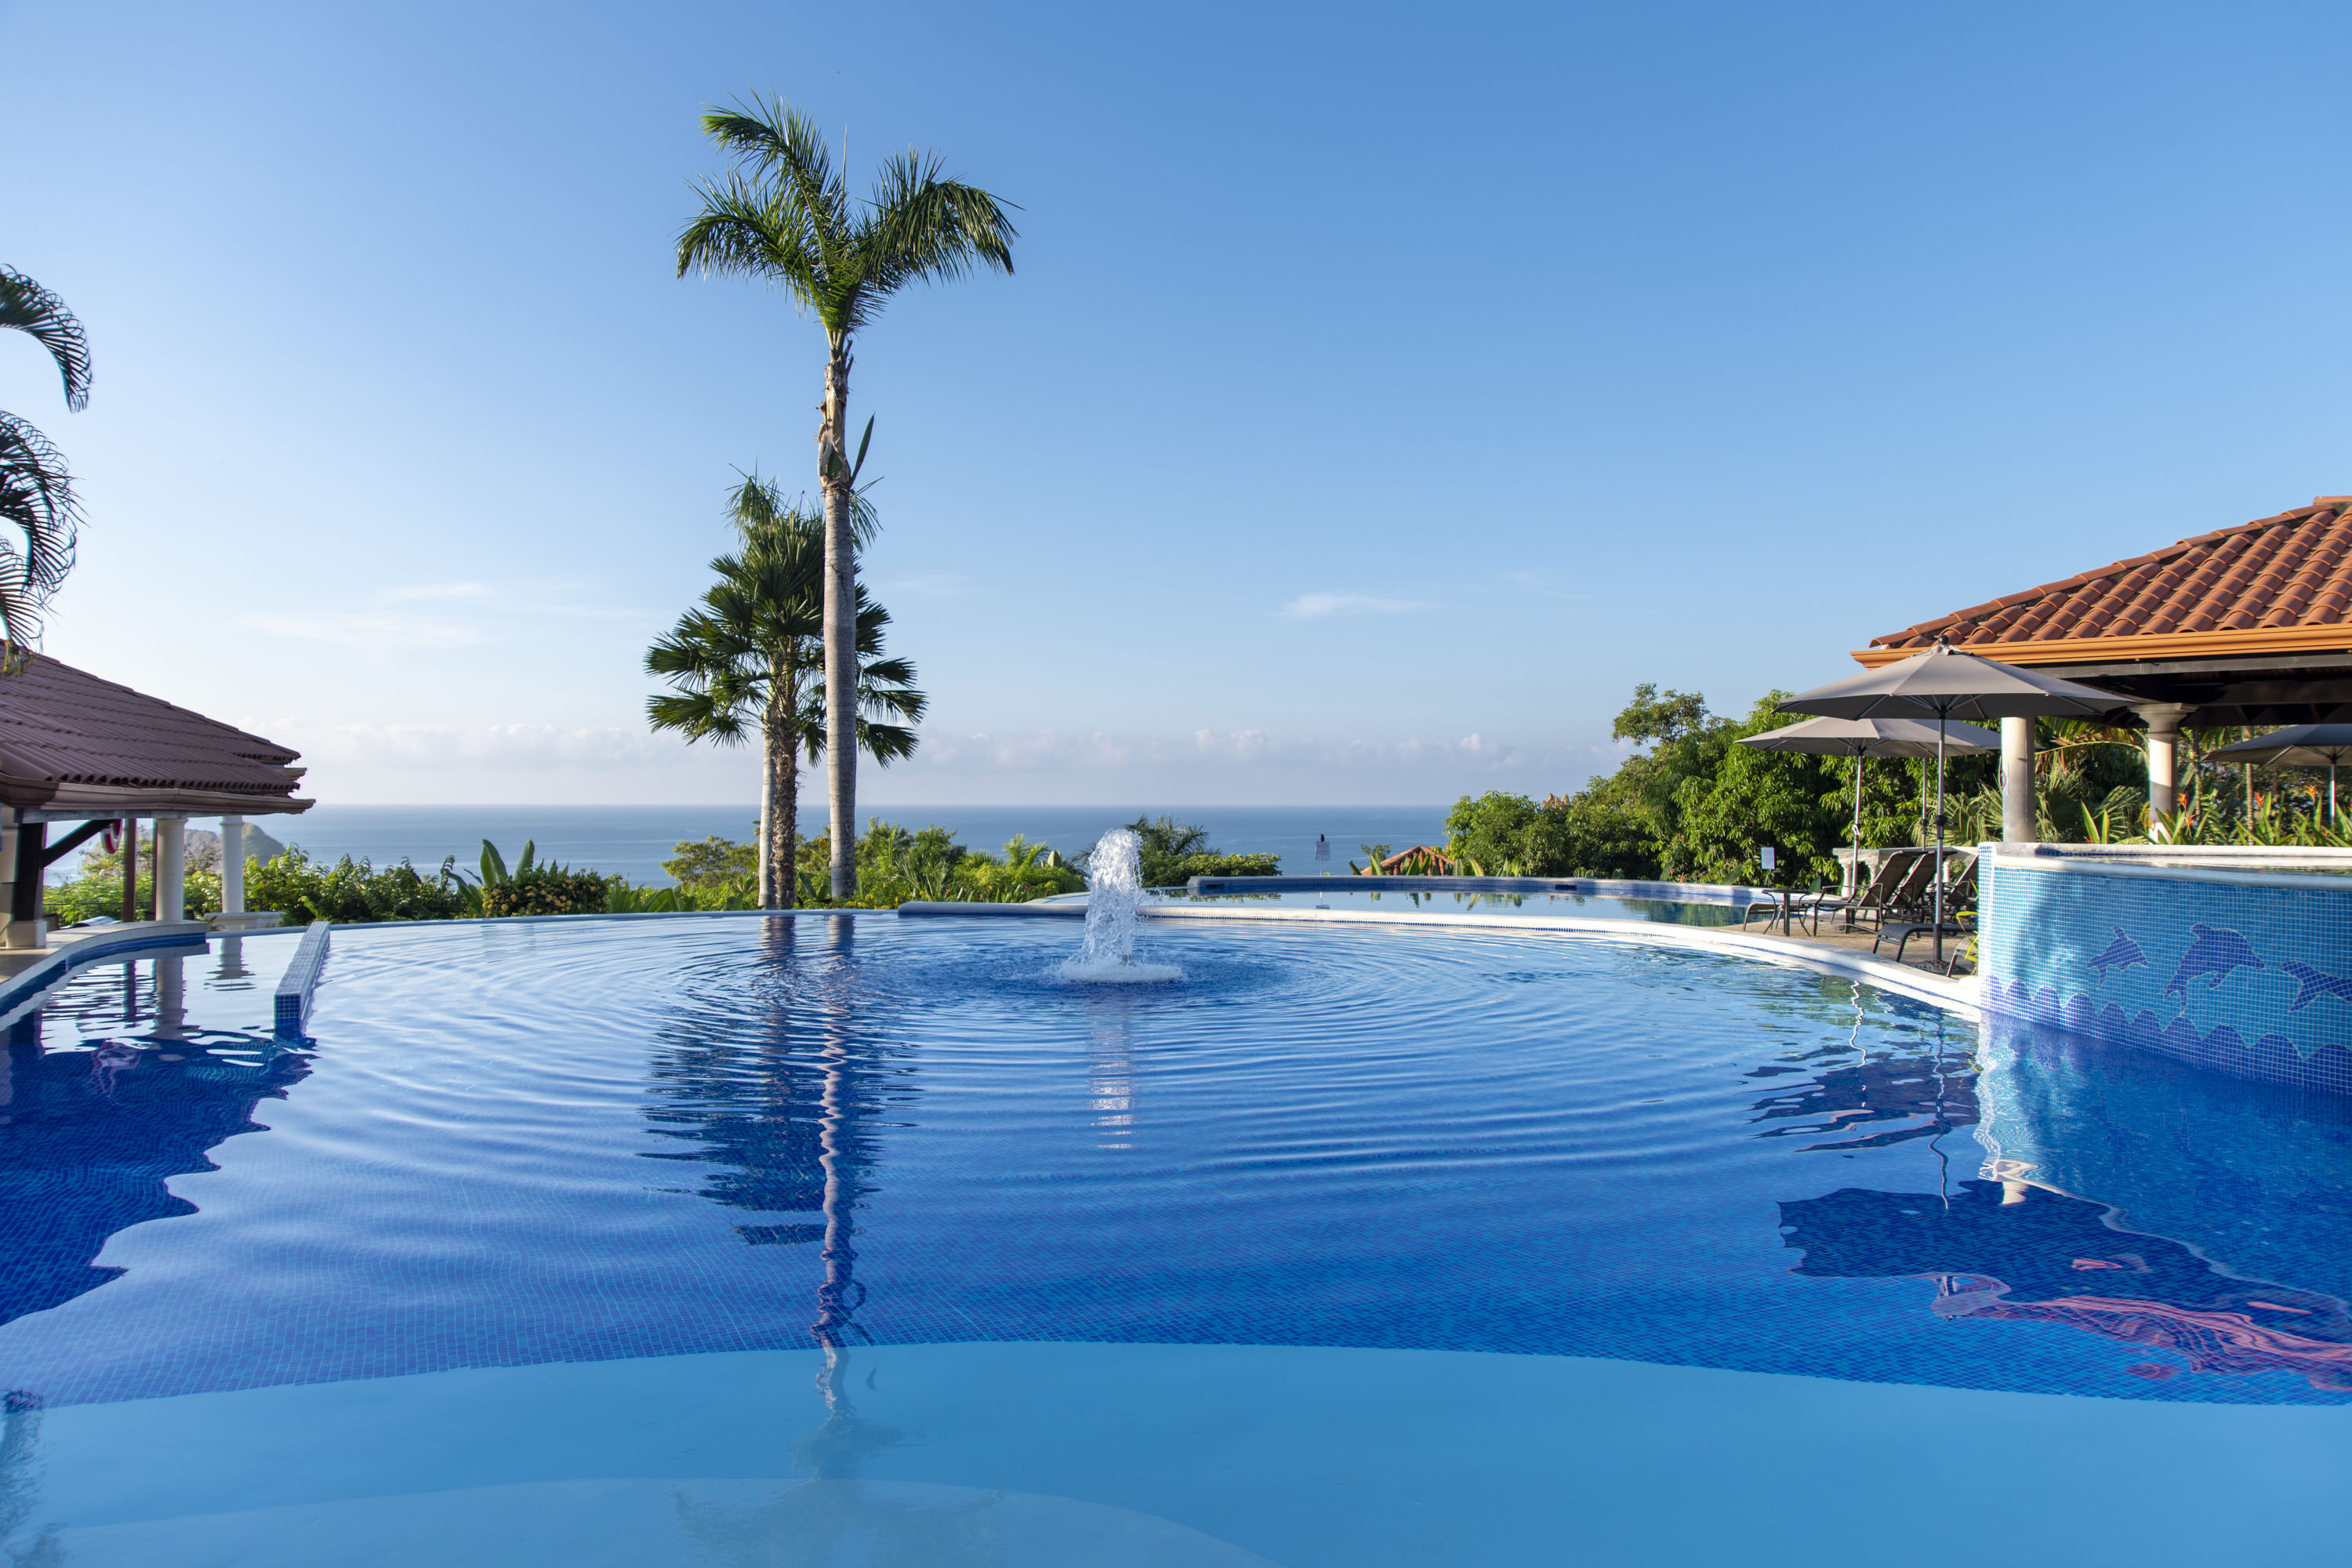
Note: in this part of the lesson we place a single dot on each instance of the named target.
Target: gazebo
(77, 749)
(2251, 625)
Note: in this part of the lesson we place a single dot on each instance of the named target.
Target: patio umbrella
(2304, 746)
(1943, 684)
(1865, 738)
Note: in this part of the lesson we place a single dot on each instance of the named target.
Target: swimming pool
(1500, 905)
(817, 1239)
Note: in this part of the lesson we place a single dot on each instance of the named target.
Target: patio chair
(1809, 907)
(1959, 915)
(1893, 890)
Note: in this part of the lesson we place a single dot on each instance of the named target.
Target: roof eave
(2164, 645)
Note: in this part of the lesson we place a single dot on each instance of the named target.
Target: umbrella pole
(1853, 866)
(1939, 840)
(2331, 792)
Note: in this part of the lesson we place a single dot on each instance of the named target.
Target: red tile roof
(2277, 584)
(70, 741)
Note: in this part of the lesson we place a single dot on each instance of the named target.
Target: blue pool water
(818, 1240)
(1447, 901)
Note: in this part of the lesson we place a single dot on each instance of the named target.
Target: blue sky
(1382, 393)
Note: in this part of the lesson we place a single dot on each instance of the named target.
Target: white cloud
(366, 631)
(1316, 606)
(391, 630)
(473, 746)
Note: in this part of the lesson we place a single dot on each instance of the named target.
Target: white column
(232, 867)
(171, 867)
(2017, 781)
(2163, 749)
(171, 998)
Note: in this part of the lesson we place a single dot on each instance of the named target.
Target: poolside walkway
(1920, 954)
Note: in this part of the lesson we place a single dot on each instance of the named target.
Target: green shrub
(96, 893)
(351, 891)
(1165, 872)
(1174, 851)
(623, 897)
(548, 890)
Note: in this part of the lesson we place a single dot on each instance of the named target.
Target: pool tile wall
(2246, 974)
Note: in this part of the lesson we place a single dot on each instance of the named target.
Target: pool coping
(29, 984)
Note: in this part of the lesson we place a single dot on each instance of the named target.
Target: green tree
(1174, 852)
(750, 657)
(711, 862)
(1696, 806)
(784, 214)
(37, 495)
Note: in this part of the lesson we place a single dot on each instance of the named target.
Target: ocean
(633, 840)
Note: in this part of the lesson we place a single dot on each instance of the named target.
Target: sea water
(633, 840)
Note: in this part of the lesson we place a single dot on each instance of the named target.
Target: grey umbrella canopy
(2302, 746)
(1943, 684)
(1863, 738)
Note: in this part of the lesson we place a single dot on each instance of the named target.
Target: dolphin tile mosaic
(2250, 976)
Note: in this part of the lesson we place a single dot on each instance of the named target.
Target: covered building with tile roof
(2244, 625)
(74, 748)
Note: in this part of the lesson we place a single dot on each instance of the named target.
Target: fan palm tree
(751, 657)
(784, 213)
(36, 497)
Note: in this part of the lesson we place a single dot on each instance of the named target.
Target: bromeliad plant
(535, 888)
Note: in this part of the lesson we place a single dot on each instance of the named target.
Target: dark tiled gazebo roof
(72, 744)
(2279, 585)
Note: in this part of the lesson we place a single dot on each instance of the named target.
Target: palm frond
(924, 228)
(784, 214)
(28, 308)
(37, 502)
(752, 654)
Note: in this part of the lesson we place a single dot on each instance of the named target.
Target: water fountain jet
(1114, 895)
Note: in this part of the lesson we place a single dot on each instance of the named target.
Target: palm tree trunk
(779, 800)
(840, 624)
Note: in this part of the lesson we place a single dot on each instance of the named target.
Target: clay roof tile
(2291, 570)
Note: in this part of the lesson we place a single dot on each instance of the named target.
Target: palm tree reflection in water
(780, 1161)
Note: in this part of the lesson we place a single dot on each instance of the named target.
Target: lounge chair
(1893, 891)
(1959, 915)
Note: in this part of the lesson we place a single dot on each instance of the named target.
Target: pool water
(845, 1240)
(1516, 906)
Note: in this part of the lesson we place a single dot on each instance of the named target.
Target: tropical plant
(37, 495)
(750, 658)
(1173, 853)
(1694, 806)
(532, 887)
(784, 214)
(97, 894)
(623, 897)
(352, 891)
(711, 862)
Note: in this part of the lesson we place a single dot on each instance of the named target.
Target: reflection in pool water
(808, 1179)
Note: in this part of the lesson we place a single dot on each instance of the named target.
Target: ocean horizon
(633, 840)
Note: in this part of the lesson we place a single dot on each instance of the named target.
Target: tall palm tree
(751, 656)
(784, 213)
(36, 497)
